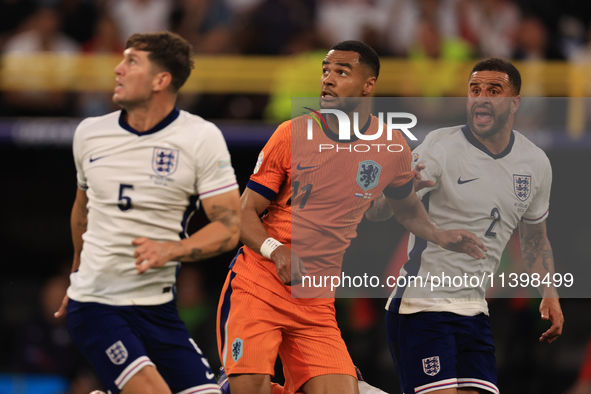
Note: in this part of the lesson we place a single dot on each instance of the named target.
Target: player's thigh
(108, 341)
(313, 347)
(424, 350)
(249, 327)
(250, 384)
(332, 383)
(146, 381)
(176, 355)
(476, 363)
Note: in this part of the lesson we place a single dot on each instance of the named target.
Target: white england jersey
(141, 185)
(481, 192)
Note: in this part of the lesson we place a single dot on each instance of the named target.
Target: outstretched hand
(550, 310)
(462, 241)
(418, 181)
(283, 259)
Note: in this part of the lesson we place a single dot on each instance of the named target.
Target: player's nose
(119, 69)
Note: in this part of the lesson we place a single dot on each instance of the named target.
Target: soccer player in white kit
(141, 174)
(488, 179)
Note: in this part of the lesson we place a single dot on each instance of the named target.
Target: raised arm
(219, 236)
(538, 259)
(410, 212)
(253, 234)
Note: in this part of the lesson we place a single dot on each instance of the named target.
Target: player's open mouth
(327, 95)
(482, 116)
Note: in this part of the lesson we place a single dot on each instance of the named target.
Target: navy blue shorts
(439, 350)
(120, 340)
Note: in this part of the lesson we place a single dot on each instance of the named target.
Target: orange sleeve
(403, 162)
(273, 163)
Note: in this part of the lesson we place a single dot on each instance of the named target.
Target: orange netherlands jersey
(320, 189)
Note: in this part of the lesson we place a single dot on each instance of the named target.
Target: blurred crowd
(451, 30)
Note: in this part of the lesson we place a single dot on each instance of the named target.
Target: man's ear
(515, 102)
(161, 81)
(369, 86)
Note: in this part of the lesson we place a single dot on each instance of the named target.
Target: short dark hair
(168, 51)
(367, 55)
(500, 65)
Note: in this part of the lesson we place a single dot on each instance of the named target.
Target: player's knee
(146, 381)
(250, 384)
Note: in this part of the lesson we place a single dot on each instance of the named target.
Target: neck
(143, 118)
(363, 113)
(498, 142)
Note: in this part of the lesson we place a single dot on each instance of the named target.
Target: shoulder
(529, 150)
(442, 134)
(196, 124)
(98, 122)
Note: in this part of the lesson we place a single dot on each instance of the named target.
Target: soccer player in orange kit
(313, 207)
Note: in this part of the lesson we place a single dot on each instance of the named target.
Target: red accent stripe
(131, 370)
(319, 115)
(533, 220)
(200, 390)
(219, 188)
(437, 385)
(480, 383)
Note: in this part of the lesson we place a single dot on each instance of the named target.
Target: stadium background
(252, 56)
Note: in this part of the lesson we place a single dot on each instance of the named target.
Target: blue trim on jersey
(225, 309)
(413, 264)
(191, 208)
(240, 251)
(477, 144)
(171, 117)
(399, 192)
(262, 190)
(335, 136)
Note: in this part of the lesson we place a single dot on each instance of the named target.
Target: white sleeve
(433, 157)
(78, 160)
(539, 207)
(215, 174)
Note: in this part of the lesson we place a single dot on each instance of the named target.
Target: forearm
(536, 252)
(219, 236)
(252, 233)
(381, 210)
(78, 224)
(415, 219)
(211, 240)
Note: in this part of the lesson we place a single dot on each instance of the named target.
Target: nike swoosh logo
(461, 182)
(209, 375)
(299, 167)
(97, 158)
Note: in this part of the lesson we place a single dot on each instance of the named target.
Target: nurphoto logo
(345, 129)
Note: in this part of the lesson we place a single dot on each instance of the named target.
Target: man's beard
(499, 121)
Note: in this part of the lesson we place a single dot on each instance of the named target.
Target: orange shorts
(254, 325)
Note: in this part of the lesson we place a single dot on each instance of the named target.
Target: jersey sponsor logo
(299, 167)
(164, 161)
(461, 182)
(259, 162)
(368, 174)
(237, 349)
(117, 353)
(97, 158)
(522, 186)
(431, 365)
